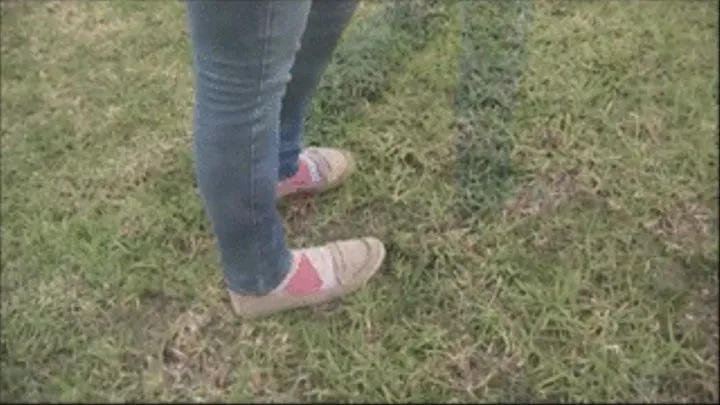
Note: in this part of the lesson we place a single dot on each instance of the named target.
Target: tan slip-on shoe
(320, 169)
(348, 265)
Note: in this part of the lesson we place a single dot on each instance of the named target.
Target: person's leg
(326, 22)
(242, 55)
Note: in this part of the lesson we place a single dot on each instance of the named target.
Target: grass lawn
(544, 176)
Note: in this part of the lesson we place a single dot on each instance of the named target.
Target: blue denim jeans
(256, 64)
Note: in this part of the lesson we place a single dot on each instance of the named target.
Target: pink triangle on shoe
(303, 179)
(305, 279)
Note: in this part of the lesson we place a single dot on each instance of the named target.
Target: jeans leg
(242, 55)
(326, 23)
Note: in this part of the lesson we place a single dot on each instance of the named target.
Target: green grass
(581, 265)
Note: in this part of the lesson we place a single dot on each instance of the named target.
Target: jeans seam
(261, 88)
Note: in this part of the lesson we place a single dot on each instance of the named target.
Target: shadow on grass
(492, 59)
